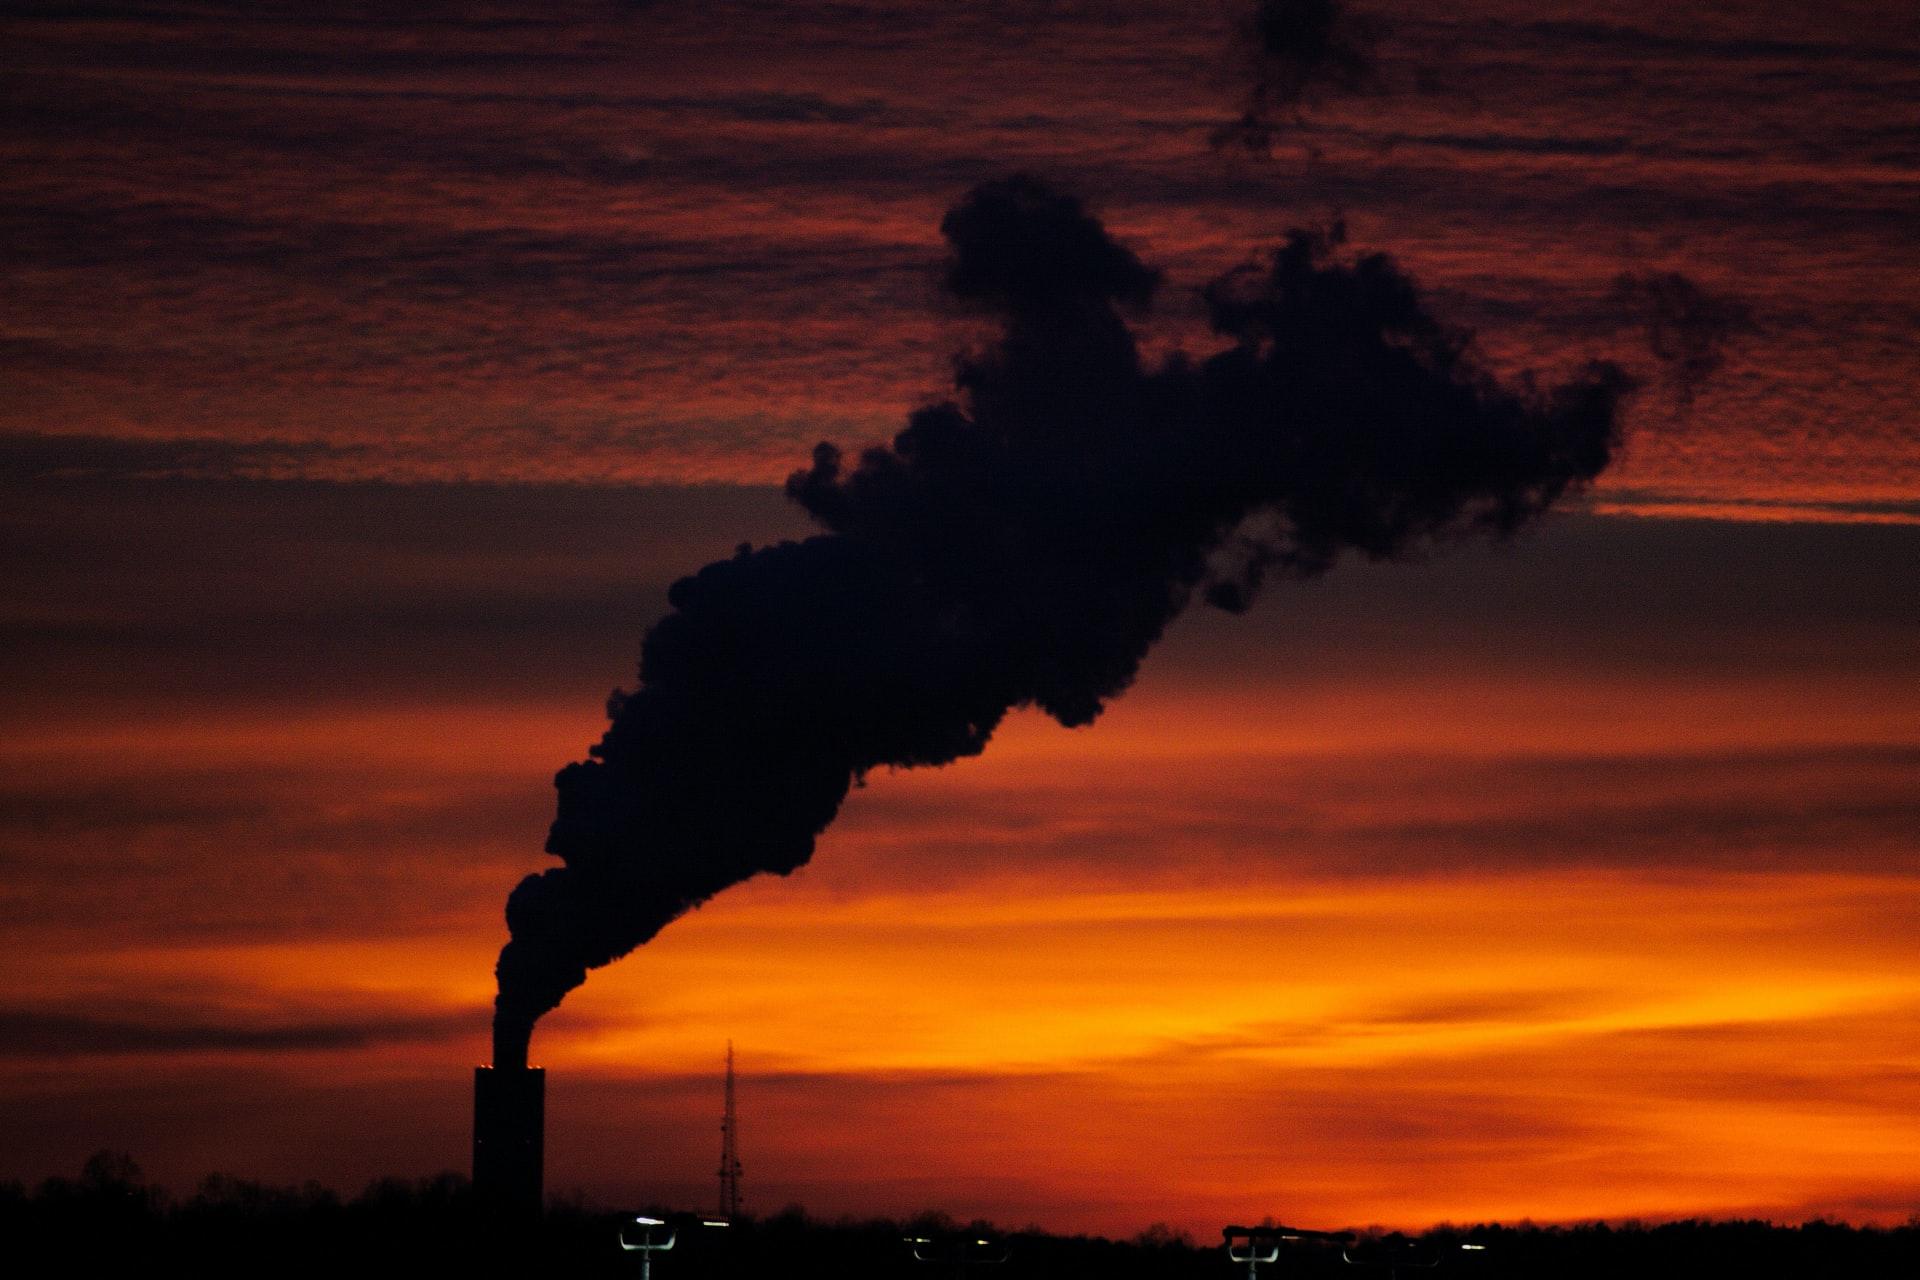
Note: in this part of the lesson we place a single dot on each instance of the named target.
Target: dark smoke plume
(1025, 544)
(1687, 328)
(1297, 50)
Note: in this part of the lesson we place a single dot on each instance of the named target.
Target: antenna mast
(729, 1152)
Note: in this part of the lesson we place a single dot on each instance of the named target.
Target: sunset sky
(370, 372)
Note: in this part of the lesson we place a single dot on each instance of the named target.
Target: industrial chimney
(509, 1139)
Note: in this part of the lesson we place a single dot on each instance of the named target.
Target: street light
(959, 1250)
(1396, 1253)
(1254, 1250)
(648, 1246)
(1259, 1246)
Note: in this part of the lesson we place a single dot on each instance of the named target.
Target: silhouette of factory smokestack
(509, 1139)
(729, 1152)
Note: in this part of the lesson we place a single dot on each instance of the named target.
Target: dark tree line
(109, 1220)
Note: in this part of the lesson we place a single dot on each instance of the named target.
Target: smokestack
(509, 1139)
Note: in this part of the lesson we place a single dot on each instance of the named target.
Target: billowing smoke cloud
(1025, 544)
(1687, 328)
(1297, 50)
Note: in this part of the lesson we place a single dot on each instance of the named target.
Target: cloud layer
(668, 244)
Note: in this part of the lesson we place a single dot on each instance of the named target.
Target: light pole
(1254, 1250)
(960, 1251)
(1259, 1246)
(1397, 1253)
(648, 1246)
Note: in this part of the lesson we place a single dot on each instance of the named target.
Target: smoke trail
(1296, 50)
(1025, 544)
(1687, 328)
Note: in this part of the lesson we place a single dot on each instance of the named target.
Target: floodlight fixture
(647, 1246)
(961, 1251)
(1260, 1246)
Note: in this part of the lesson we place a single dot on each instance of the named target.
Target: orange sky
(368, 384)
(1497, 943)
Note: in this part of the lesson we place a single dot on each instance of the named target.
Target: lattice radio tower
(729, 1152)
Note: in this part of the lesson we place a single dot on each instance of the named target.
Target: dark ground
(109, 1221)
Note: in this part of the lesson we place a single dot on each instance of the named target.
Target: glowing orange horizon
(1205, 950)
